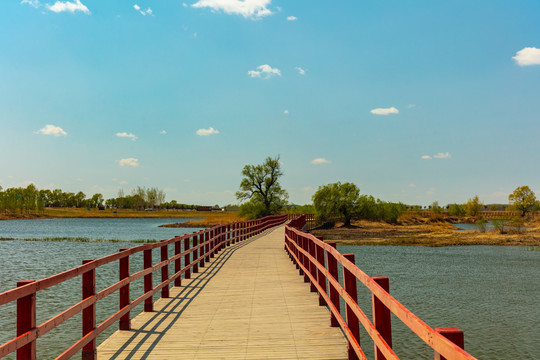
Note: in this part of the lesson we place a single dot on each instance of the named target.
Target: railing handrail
(302, 247)
(205, 244)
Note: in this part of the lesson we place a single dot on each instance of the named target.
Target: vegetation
(456, 210)
(262, 190)
(473, 206)
(523, 200)
(344, 202)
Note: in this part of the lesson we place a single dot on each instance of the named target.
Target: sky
(413, 101)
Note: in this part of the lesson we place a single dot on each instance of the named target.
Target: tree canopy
(335, 200)
(261, 190)
(523, 200)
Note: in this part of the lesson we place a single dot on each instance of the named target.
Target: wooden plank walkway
(248, 303)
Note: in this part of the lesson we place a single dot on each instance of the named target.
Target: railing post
(89, 314)
(229, 235)
(212, 243)
(206, 238)
(305, 247)
(165, 271)
(177, 263)
(331, 262)
(296, 238)
(352, 320)
(320, 275)
(148, 283)
(26, 321)
(125, 322)
(381, 316)
(201, 249)
(312, 266)
(195, 254)
(187, 274)
(454, 335)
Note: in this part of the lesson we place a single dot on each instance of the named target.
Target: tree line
(31, 200)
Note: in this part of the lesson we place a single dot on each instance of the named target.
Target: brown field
(438, 233)
(209, 218)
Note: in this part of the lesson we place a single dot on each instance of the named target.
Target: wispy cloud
(66, 6)
(300, 70)
(33, 3)
(286, 112)
(431, 191)
(52, 130)
(206, 132)
(163, 132)
(307, 188)
(292, 18)
(445, 155)
(527, 56)
(254, 9)
(265, 70)
(123, 182)
(385, 111)
(148, 11)
(132, 162)
(318, 161)
(126, 135)
(412, 185)
(440, 155)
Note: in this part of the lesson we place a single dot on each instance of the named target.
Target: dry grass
(429, 234)
(221, 217)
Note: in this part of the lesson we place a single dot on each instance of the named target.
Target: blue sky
(415, 101)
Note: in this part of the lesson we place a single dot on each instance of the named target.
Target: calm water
(119, 229)
(491, 293)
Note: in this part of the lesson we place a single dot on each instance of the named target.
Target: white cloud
(264, 70)
(385, 111)
(300, 70)
(527, 56)
(431, 191)
(71, 7)
(412, 185)
(129, 162)
(307, 188)
(426, 157)
(247, 8)
(126, 135)
(410, 106)
(123, 182)
(286, 112)
(52, 130)
(206, 132)
(142, 12)
(445, 155)
(34, 3)
(292, 18)
(163, 132)
(184, 4)
(318, 161)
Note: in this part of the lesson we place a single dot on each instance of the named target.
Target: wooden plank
(246, 303)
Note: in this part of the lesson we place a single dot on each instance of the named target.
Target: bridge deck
(247, 303)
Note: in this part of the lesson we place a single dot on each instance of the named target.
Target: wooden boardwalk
(247, 303)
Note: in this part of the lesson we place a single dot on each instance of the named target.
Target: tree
(473, 206)
(262, 190)
(337, 199)
(523, 200)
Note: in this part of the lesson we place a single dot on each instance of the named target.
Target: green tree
(456, 210)
(261, 190)
(523, 200)
(96, 200)
(473, 206)
(335, 200)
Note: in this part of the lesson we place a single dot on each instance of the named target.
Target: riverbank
(431, 234)
(207, 217)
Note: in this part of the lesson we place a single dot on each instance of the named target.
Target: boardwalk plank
(246, 303)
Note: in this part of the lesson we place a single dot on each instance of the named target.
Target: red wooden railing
(198, 248)
(318, 262)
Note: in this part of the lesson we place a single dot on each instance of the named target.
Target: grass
(80, 239)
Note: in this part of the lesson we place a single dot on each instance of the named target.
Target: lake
(491, 293)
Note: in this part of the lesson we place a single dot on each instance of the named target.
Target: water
(34, 260)
(489, 226)
(116, 228)
(491, 293)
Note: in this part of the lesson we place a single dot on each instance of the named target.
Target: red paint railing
(199, 247)
(318, 262)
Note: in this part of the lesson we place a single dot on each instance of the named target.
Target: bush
(456, 210)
